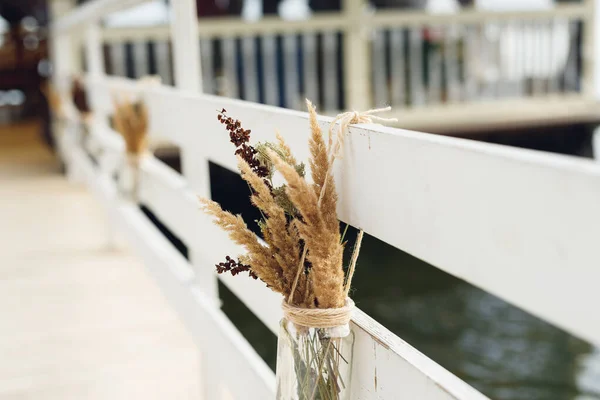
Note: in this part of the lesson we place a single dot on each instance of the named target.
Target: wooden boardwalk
(78, 320)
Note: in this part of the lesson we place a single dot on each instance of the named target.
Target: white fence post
(94, 57)
(93, 50)
(61, 46)
(64, 66)
(186, 60)
(186, 45)
(356, 56)
(188, 76)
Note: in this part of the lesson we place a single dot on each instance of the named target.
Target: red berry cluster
(234, 267)
(240, 137)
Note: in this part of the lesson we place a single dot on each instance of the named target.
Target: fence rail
(411, 60)
(516, 223)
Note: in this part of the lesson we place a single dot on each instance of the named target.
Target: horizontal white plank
(91, 11)
(386, 367)
(501, 218)
(390, 18)
(471, 117)
(328, 22)
(234, 27)
(103, 90)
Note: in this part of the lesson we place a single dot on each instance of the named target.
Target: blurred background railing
(407, 59)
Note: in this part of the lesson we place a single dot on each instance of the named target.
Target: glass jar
(314, 363)
(129, 177)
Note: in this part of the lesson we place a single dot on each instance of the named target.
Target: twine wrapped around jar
(314, 354)
(318, 317)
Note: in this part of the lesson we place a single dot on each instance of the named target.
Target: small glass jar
(314, 363)
(129, 177)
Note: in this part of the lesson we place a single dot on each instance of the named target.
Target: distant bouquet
(131, 121)
(80, 99)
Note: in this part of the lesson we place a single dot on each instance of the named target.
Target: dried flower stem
(353, 260)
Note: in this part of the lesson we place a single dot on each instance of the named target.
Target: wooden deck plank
(78, 320)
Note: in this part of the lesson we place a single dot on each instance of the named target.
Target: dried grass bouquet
(131, 121)
(301, 256)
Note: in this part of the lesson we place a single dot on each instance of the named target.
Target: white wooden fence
(421, 64)
(522, 225)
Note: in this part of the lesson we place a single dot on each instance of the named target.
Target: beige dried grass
(303, 254)
(258, 256)
(131, 121)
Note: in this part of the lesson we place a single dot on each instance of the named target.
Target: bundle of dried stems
(131, 121)
(79, 97)
(302, 257)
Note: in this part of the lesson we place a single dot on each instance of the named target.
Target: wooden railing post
(186, 45)
(188, 76)
(64, 65)
(93, 50)
(357, 66)
(94, 57)
(61, 48)
(186, 60)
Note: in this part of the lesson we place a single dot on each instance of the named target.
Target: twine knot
(319, 317)
(362, 117)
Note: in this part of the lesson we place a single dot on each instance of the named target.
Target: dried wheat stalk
(131, 121)
(302, 254)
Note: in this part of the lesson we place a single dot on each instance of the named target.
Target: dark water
(499, 349)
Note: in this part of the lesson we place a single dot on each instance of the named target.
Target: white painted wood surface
(186, 47)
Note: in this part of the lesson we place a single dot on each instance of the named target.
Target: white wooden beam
(186, 45)
(503, 219)
(357, 83)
